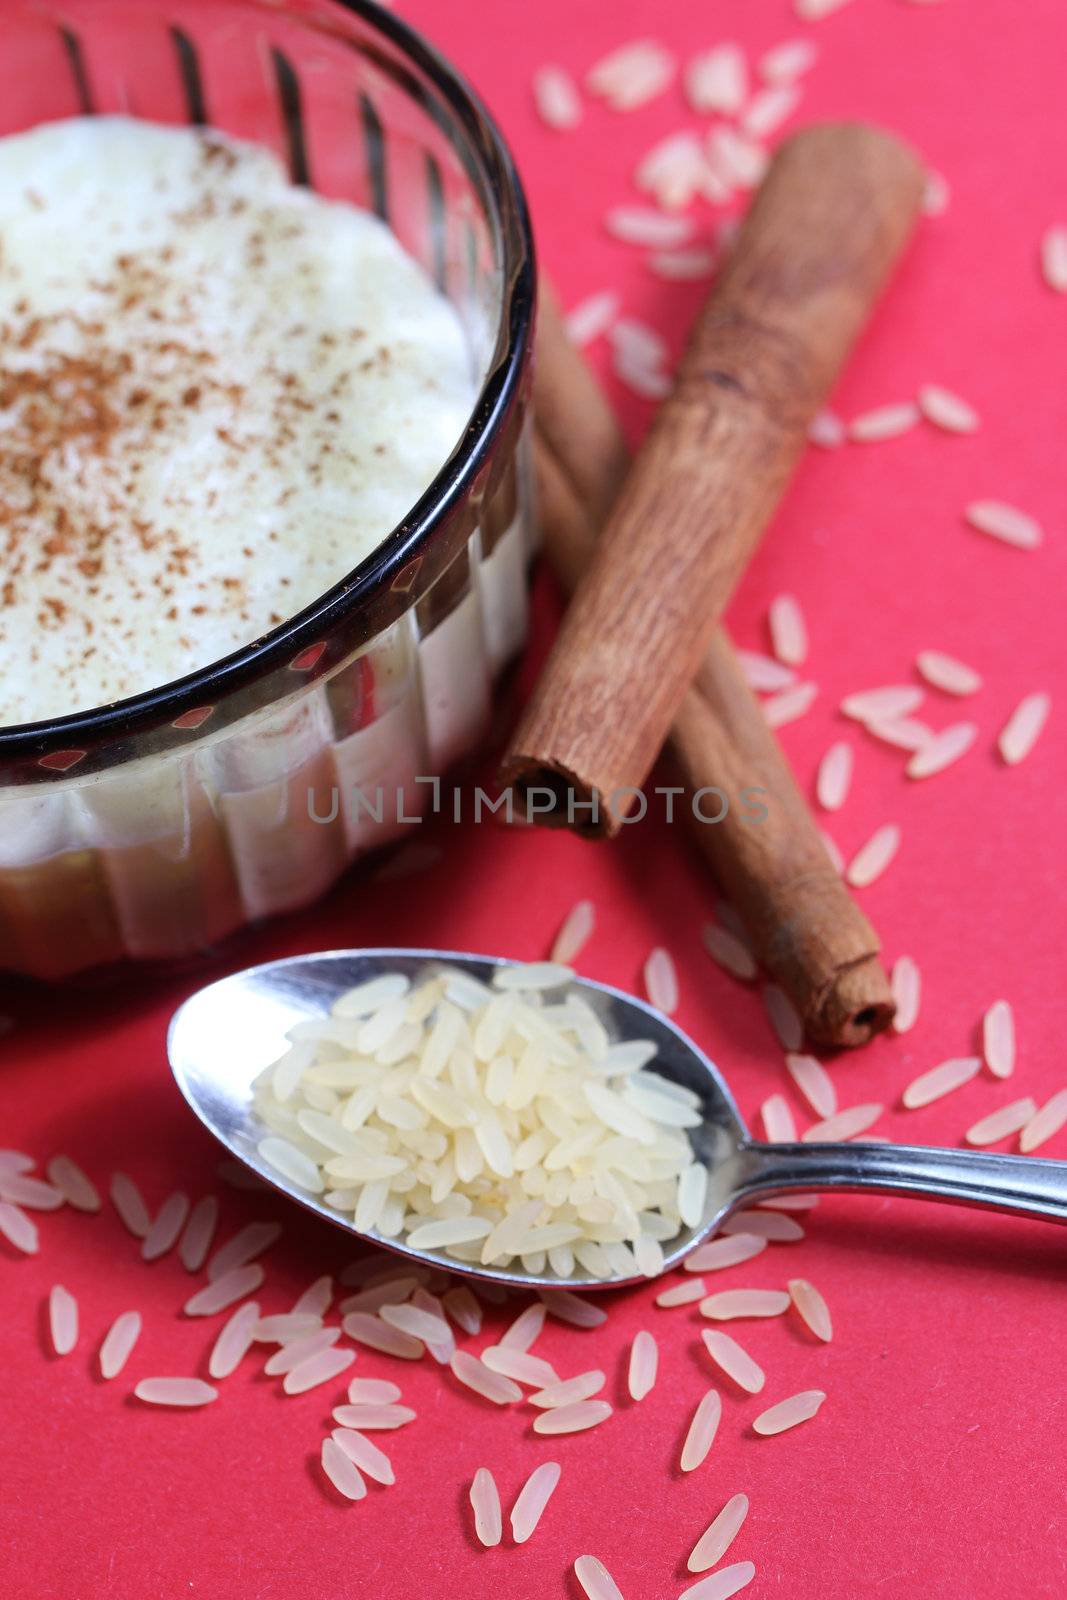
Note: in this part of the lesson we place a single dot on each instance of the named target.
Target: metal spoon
(225, 1034)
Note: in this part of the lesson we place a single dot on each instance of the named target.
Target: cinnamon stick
(830, 220)
(805, 928)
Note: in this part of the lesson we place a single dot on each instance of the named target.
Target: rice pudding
(218, 393)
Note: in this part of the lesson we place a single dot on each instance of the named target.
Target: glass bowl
(153, 827)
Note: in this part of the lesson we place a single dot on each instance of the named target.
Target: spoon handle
(1026, 1185)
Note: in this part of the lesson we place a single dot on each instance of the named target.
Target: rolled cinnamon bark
(830, 220)
(806, 929)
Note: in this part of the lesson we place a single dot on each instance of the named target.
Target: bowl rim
(509, 217)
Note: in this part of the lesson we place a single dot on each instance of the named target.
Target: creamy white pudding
(218, 393)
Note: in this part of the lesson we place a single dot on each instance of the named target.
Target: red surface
(937, 1463)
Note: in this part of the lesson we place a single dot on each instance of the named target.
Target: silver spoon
(224, 1035)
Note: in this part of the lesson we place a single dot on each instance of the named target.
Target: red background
(937, 1463)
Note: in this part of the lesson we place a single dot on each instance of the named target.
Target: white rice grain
(731, 1303)
(71, 1182)
(815, 10)
(834, 777)
(23, 1190)
(943, 750)
(1046, 1122)
(198, 1233)
(127, 1200)
(294, 1351)
(532, 1499)
(661, 981)
(485, 1503)
(789, 633)
(729, 952)
(342, 1471)
(378, 1335)
(788, 1413)
(683, 266)
(574, 1418)
(574, 934)
(906, 983)
(728, 1581)
(790, 705)
(737, 1364)
(682, 1294)
(843, 1124)
(234, 1341)
(944, 672)
(768, 110)
(322, 1367)
(814, 1083)
(175, 1392)
(717, 80)
(729, 1251)
(165, 1227)
(1004, 522)
(596, 1580)
(936, 194)
(592, 317)
(939, 1081)
(873, 858)
(946, 410)
(644, 1361)
(368, 1457)
(631, 75)
(250, 1242)
(224, 1292)
(772, 1225)
(474, 1374)
(567, 1306)
(1023, 728)
(811, 1308)
(118, 1343)
(998, 1039)
(373, 1418)
(556, 97)
(674, 171)
(882, 704)
(18, 1229)
(519, 1365)
(717, 1539)
(1054, 257)
(778, 1124)
(641, 226)
(786, 62)
(526, 1328)
(373, 1392)
(884, 422)
(764, 674)
(784, 1017)
(737, 161)
(702, 1430)
(826, 430)
(569, 1391)
(62, 1320)
(292, 1163)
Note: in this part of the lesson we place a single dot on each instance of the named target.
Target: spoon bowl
(223, 1037)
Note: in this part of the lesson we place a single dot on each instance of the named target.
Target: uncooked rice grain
(566, 1306)
(474, 1374)
(526, 1328)
(725, 1252)
(814, 1083)
(373, 1418)
(1054, 257)
(464, 1309)
(198, 1233)
(998, 1039)
(1001, 1124)
(735, 159)
(903, 733)
(322, 1367)
(342, 1471)
(784, 1017)
(906, 983)
(165, 1227)
(728, 1581)
(575, 1418)
(419, 1324)
(641, 226)
(224, 1292)
(843, 1124)
(661, 981)
(378, 1335)
(371, 1461)
(936, 194)
(128, 1202)
(1046, 1122)
(575, 932)
(682, 1294)
(373, 1392)
(519, 1365)
(118, 1343)
(557, 99)
(290, 1355)
(175, 1392)
(884, 422)
(717, 1539)
(834, 776)
(62, 1320)
(284, 1326)
(71, 1182)
(788, 1413)
(729, 952)
(568, 1391)
(737, 1364)
(316, 1298)
(790, 704)
(815, 10)
(872, 859)
(763, 673)
(485, 1503)
(884, 704)
(1023, 728)
(644, 1362)
(943, 750)
(234, 1341)
(946, 410)
(811, 1308)
(772, 1225)
(826, 430)
(702, 1430)
(786, 62)
(532, 1499)
(947, 674)
(789, 634)
(18, 1229)
(592, 316)
(778, 1124)
(1004, 522)
(596, 1580)
(939, 1081)
(23, 1190)
(717, 80)
(683, 266)
(768, 110)
(731, 1303)
(631, 75)
(674, 171)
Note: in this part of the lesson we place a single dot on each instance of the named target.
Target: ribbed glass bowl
(154, 827)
